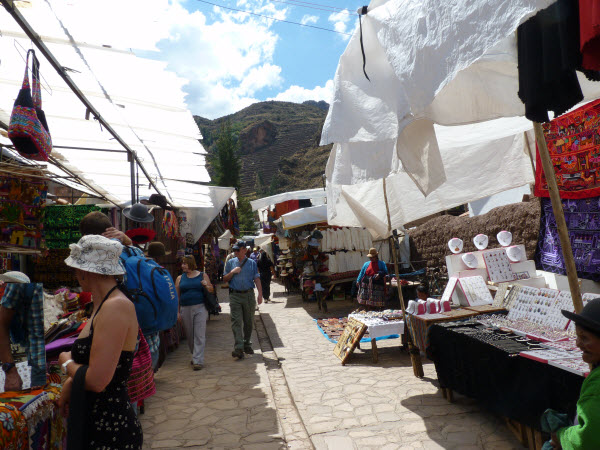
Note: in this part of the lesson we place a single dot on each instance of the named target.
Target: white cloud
(298, 94)
(226, 56)
(308, 19)
(341, 22)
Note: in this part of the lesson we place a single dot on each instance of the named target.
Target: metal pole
(35, 38)
(415, 355)
(559, 215)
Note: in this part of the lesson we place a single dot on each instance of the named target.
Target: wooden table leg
(375, 352)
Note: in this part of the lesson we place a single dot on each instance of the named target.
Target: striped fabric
(141, 380)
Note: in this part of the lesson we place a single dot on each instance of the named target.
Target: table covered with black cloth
(511, 386)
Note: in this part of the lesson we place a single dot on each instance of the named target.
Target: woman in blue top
(371, 282)
(194, 314)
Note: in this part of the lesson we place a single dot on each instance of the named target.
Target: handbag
(28, 129)
(210, 300)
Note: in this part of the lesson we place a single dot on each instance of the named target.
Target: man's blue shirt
(245, 279)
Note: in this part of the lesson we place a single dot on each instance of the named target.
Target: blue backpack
(152, 291)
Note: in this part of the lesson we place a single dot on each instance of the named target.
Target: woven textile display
(583, 221)
(573, 141)
(61, 224)
(22, 201)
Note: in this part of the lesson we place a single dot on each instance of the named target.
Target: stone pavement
(296, 394)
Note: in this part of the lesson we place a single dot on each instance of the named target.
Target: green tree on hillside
(259, 185)
(275, 184)
(226, 163)
(246, 216)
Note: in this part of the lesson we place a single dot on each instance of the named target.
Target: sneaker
(249, 350)
(237, 354)
(197, 366)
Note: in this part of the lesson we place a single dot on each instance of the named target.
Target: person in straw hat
(94, 396)
(371, 282)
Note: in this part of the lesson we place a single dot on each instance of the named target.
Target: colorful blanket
(583, 221)
(573, 141)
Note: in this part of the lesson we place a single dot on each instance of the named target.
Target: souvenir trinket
(470, 260)
(481, 241)
(504, 238)
(455, 245)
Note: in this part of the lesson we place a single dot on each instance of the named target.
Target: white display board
(498, 265)
(476, 291)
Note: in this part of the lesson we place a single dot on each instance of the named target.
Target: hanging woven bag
(28, 129)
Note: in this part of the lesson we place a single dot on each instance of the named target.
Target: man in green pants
(242, 275)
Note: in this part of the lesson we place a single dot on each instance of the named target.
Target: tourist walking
(266, 269)
(242, 275)
(100, 415)
(190, 289)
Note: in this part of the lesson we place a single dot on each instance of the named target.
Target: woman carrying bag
(191, 287)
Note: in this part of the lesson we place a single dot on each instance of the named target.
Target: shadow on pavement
(228, 404)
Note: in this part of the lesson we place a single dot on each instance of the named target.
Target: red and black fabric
(28, 129)
(589, 33)
(573, 142)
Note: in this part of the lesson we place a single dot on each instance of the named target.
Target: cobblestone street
(294, 393)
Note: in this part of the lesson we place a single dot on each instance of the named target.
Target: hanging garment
(548, 46)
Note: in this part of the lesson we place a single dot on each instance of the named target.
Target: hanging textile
(286, 207)
(548, 57)
(22, 201)
(574, 145)
(583, 222)
(61, 224)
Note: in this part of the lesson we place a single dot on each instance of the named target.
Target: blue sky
(231, 59)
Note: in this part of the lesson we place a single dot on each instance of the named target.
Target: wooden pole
(415, 355)
(559, 215)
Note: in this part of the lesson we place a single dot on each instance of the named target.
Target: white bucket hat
(14, 277)
(96, 254)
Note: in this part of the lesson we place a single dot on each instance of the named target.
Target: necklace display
(498, 266)
(476, 291)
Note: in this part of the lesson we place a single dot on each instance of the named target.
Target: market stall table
(419, 325)
(378, 328)
(514, 387)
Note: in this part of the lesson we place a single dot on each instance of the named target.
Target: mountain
(279, 145)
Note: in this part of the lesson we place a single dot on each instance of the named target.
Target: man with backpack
(151, 286)
(242, 275)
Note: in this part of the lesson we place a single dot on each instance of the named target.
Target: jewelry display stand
(476, 291)
(498, 265)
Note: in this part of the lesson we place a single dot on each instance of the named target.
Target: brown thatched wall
(429, 241)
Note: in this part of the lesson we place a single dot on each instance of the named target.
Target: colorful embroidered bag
(140, 384)
(28, 129)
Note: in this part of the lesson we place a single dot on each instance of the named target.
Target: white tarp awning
(317, 197)
(429, 62)
(139, 98)
(198, 219)
(480, 160)
(304, 216)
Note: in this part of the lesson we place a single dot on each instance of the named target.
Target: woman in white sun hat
(98, 366)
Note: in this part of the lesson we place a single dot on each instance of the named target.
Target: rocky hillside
(277, 140)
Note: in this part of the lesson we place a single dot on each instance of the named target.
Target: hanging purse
(28, 129)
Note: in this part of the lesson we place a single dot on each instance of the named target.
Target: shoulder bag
(28, 129)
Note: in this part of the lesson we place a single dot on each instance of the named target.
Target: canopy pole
(559, 216)
(415, 355)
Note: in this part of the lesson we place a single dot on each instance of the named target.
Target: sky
(232, 59)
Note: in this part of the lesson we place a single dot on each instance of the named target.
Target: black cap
(238, 245)
(589, 317)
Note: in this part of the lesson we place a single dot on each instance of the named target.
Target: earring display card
(500, 295)
(447, 295)
(522, 302)
(498, 265)
(512, 296)
(541, 309)
(476, 291)
(573, 365)
(554, 317)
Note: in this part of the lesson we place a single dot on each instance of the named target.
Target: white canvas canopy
(198, 219)
(139, 98)
(447, 63)
(316, 196)
(304, 216)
